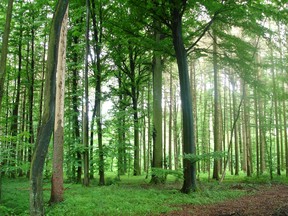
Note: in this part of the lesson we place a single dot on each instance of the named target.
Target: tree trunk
(30, 77)
(97, 30)
(171, 131)
(186, 101)
(15, 109)
(174, 112)
(121, 131)
(236, 127)
(194, 104)
(58, 150)
(136, 169)
(86, 101)
(247, 130)
(275, 101)
(217, 143)
(46, 128)
(157, 115)
(262, 131)
(3, 59)
(76, 112)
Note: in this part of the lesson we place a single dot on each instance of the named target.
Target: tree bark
(217, 136)
(30, 77)
(76, 112)
(86, 101)
(171, 131)
(15, 109)
(46, 128)
(3, 59)
(275, 101)
(236, 127)
(58, 150)
(186, 99)
(157, 115)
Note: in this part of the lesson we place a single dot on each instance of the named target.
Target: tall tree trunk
(149, 156)
(275, 101)
(76, 112)
(121, 131)
(46, 128)
(86, 101)
(4, 49)
(174, 112)
(165, 129)
(217, 143)
(247, 130)
(136, 170)
(144, 147)
(135, 94)
(285, 118)
(186, 100)
(30, 77)
(256, 116)
(285, 136)
(262, 131)
(57, 188)
(15, 109)
(97, 30)
(194, 104)
(171, 131)
(3, 59)
(157, 115)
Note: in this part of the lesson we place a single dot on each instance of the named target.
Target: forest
(143, 107)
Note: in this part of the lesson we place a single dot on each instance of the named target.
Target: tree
(86, 101)
(217, 113)
(157, 113)
(97, 26)
(47, 125)
(4, 51)
(57, 175)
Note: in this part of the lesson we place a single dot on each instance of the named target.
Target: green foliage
(178, 174)
(130, 196)
(205, 156)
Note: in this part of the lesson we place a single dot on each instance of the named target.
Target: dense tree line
(154, 87)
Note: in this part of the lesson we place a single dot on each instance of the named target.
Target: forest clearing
(151, 107)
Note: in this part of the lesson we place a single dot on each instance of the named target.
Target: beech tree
(58, 147)
(4, 51)
(48, 116)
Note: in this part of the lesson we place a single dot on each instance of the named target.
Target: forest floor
(263, 200)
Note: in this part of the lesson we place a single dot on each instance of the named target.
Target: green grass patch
(130, 196)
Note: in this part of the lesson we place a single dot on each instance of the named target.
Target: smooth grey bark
(157, 115)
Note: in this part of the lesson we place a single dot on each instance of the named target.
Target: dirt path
(266, 201)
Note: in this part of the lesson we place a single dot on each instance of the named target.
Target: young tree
(47, 124)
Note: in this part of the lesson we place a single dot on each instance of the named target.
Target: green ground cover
(130, 196)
